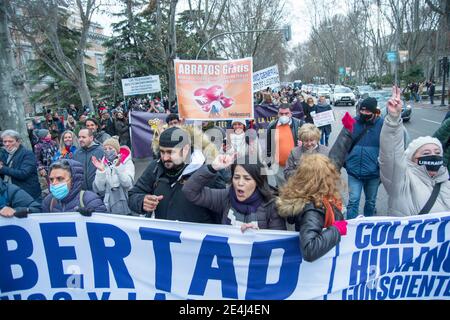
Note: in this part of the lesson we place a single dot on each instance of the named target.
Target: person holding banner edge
(415, 179)
(311, 199)
(66, 194)
(247, 203)
(159, 190)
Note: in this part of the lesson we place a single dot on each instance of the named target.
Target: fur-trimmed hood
(289, 207)
(198, 140)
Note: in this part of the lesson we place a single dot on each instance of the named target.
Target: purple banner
(143, 125)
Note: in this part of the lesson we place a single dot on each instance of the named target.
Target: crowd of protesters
(236, 177)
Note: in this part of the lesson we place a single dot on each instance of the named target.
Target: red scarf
(329, 212)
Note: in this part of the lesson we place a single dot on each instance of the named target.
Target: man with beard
(159, 189)
(89, 149)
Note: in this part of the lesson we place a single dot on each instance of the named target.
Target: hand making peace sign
(394, 104)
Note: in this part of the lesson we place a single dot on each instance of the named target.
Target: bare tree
(207, 17)
(168, 37)
(266, 48)
(11, 83)
(37, 22)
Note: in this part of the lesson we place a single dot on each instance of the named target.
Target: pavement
(425, 120)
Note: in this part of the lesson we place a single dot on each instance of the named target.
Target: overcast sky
(297, 9)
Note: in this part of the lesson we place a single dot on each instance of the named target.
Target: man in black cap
(159, 190)
(356, 149)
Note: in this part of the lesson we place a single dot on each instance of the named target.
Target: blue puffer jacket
(71, 202)
(362, 161)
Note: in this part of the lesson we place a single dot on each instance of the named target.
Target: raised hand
(223, 161)
(394, 104)
(98, 164)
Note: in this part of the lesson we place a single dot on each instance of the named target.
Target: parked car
(322, 90)
(361, 90)
(342, 95)
(382, 97)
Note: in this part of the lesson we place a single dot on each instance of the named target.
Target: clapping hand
(394, 104)
(98, 164)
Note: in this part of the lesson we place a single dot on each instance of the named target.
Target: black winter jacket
(174, 205)
(314, 240)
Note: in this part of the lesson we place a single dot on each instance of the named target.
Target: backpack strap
(358, 138)
(81, 198)
(430, 203)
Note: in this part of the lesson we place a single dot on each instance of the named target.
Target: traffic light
(287, 31)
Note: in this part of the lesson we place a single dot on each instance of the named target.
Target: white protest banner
(323, 118)
(110, 257)
(268, 77)
(141, 85)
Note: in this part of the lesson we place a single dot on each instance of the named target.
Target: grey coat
(294, 159)
(218, 201)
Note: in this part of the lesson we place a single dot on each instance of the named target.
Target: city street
(425, 120)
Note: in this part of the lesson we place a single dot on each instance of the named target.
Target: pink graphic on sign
(212, 100)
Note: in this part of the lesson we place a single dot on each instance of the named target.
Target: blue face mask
(60, 191)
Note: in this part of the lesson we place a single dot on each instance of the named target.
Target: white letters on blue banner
(112, 257)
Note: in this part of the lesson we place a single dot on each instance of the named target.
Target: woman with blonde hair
(308, 143)
(68, 144)
(311, 200)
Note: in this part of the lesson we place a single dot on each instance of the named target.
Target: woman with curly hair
(311, 200)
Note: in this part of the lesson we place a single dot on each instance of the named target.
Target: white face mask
(284, 120)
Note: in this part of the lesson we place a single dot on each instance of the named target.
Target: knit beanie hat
(112, 143)
(174, 137)
(41, 133)
(238, 121)
(419, 142)
(369, 104)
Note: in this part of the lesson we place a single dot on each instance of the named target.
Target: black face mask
(432, 163)
(365, 117)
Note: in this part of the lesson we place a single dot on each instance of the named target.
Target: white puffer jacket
(115, 182)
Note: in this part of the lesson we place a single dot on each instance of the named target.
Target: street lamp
(345, 59)
(286, 31)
